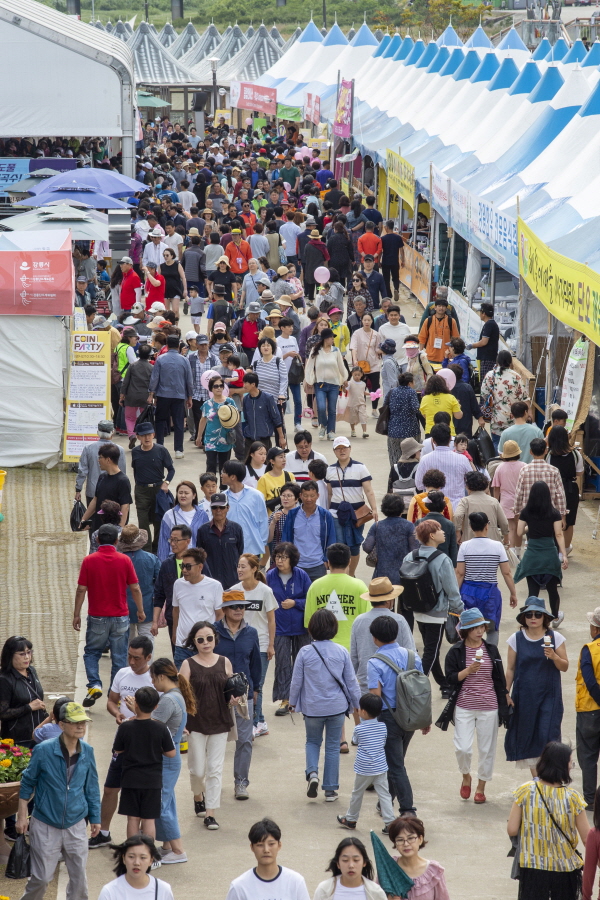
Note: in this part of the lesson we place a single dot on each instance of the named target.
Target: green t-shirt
(340, 594)
(290, 175)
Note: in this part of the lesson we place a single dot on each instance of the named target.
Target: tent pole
(452, 234)
(492, 281)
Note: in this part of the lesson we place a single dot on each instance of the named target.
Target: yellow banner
(416, 274)
(401, 177)
(88, 397)
(570, 290)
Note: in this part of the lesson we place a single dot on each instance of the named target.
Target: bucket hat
(533, 604)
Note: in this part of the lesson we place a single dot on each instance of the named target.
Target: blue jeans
(332, 725)
(297, 396)
(326, 395)
(396, 745)
(181, 653)
(167, 827)
(258, 713)
(102, 631)
(495, 440)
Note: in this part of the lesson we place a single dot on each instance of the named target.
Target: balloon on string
(322, 275)
(449, 377)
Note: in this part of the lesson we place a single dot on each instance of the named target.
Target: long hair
(539, 503)
(136, 841)
(367, 869)
(254, 563)
(558, 440)
(503, 361)
(11, 646)
(254, 446)
(326, 333)
(164, 666)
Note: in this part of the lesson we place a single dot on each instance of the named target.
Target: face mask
(411, 352)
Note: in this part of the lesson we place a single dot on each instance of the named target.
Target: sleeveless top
(173, 283)
(213, 715)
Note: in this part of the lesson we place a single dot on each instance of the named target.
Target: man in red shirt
(238, 253)
(131, 281)
(369, 243)
(105, 576)
(248, 217)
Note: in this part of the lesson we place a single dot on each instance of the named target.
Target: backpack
(413, 694)
(222, 312)
(419, 593)
(406, 486)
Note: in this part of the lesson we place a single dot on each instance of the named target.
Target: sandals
(344, 748)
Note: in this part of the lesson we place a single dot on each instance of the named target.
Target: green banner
(290, 113)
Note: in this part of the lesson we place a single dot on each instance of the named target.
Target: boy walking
(143, 742)
(370, 764)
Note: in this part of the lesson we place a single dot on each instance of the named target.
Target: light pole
(213, 67)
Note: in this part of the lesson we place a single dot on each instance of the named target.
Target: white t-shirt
(263, 601)
(512, 641)
(196, 602)
(120, 890)
(299, 467)
(286, 345)
(252, 480)
(288, 885)
(323, 494)
(346, 893)
(187, 199)
(173, 241)
(429, 448)
(481, 557)
(395, 333)
(126, 683)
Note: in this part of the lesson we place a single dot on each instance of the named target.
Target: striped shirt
(370, 736)
(272, 377)
(454, 466)
(347, 484)
(299, 467)
(477, 691)
(481, 557)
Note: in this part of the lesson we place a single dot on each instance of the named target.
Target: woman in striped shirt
(271, 371)
(479, 700)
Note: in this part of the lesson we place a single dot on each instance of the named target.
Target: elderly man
(82, 298)
(129, 285)
(172, 385)
(354, 321)
(247, 328)
(453, 465)
(89, 467)
(154, 249)
(137, 319)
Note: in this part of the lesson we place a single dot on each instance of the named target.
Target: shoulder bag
(371, 559)
(337, 681)
(364, 364)
(383, 422)
(487, 405)
(351, 516)
(557, 826)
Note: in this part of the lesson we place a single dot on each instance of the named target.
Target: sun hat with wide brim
(224, 259)
(471, 618)
(510, 450)
(533, 604)
(282, 301)
(409, 447)
(382, 589)
(275, 314)
(228, 415)
(139, 542)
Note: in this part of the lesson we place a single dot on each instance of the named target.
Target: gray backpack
(413, 695)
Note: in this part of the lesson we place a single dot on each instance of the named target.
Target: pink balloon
(449, 377)
(249, 121)
(206, 376)
(321, 275)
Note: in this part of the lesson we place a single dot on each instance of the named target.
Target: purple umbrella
(111, 183)
(85, 195)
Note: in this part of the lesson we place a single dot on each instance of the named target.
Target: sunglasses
(217, 386)
(188, 566)
(208, 639)
(236, 606)
(534, 615)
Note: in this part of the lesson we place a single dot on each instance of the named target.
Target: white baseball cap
(341, 441)
(157, 306)
(191, 336)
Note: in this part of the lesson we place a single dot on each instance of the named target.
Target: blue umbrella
(81, 192)
(392, 879)
(105, 182)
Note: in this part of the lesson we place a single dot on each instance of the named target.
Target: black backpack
(419, 593)
(222, 312)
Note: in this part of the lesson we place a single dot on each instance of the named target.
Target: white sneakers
(171, 858)
(322, 434)
(260, 729)
(179, 454)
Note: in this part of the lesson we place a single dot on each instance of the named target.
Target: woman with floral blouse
(500, 388)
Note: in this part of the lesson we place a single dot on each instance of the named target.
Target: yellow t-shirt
(435, 403)
(270, 485)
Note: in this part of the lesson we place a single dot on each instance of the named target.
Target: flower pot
(9, 798)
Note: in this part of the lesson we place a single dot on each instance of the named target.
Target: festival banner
(253, 97)
(37, 281)
(88, 396)
(14, 169)
(570, 290)
(416, 273)
(441, 186)
(342, 122)
(312, 108)
(574, 380)
(401, 177)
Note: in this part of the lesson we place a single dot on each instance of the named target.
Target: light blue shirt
(314, 690)
(307, 537)
(172, 376)
(379, 673)
(248, 509)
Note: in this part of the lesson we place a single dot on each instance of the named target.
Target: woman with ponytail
(261, 615)
(177, 699)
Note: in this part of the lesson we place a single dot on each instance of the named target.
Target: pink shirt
(506, 477)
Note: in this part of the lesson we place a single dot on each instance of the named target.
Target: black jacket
(222, 551)
(341, 253)
(456, 661)
(465, 395)
(17, 718)
(163, 586)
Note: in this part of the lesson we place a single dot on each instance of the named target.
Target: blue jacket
(243, 652)
(463, 361)
(147, 567)
(327, 528)
(172, 376)
(170, 519)
(289, 621)
(261, 416)
(56, 803)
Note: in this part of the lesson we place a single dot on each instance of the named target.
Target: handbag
(485, 444)
(450, 629)
(371, 559)
(337, 681)
(296, 372)
(487, 405)
(383, 421)
(350, 516)
(282, 256)
(557, 826)
(363, 364)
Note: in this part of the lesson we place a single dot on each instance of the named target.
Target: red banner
(312, 109)
(342, 123)
(36, 282)
(253, 97)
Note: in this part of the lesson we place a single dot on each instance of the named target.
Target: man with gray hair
(89, 467)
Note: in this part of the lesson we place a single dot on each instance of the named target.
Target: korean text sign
(88, 396)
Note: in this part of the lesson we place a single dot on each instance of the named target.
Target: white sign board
(574, 379)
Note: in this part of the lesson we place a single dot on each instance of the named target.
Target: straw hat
(275, 314)
(224, 259)
(382, 589)
(132, 538)
(510, 450)
(315, 234)
(282, 270)
(228, 415)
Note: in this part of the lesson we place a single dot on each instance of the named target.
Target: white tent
(297, 55)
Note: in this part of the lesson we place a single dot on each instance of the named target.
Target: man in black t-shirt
(391, 256)
(112, 485)
(487, 345)
(149, 462)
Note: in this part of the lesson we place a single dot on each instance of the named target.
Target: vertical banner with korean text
(574, 379)
(401, 177)
(88, 396)
(342, 122)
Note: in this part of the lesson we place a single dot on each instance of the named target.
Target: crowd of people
(251, 568)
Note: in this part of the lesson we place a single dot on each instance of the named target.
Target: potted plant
(13, 761)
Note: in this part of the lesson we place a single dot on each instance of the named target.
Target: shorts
(115, 772)
(196, 320)
(141, 803)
